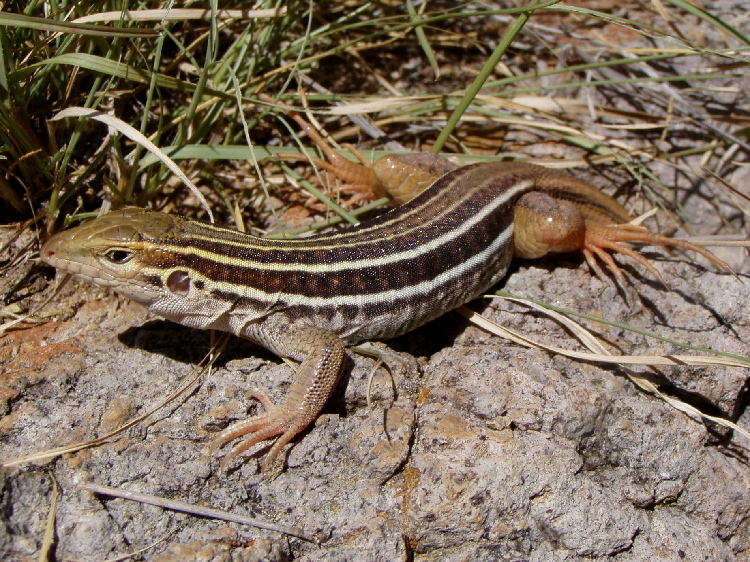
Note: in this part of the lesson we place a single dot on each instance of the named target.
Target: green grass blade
(699, 12)
(43, 24)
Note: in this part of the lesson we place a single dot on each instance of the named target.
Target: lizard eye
(118, 257)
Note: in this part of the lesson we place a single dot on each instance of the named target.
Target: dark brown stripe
(395, 275)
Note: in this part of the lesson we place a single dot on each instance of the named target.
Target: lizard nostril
(49, 248)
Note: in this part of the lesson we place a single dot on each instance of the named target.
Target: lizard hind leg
(358, 178)
(544, 224)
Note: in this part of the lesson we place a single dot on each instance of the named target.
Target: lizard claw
(611, 237)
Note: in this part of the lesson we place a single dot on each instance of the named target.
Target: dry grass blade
(197, 510)
(599, 353)
(30, 315)
(181, 14)
(727, 240)
(49, 529)
(136, 136)
(140, 551)
(378, 105)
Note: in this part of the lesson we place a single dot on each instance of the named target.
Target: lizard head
(118, 249)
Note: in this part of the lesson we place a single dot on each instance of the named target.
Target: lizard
(451, 239)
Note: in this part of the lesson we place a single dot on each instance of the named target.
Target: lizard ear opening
(179, 282)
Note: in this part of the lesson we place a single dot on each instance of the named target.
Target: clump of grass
(172, 75)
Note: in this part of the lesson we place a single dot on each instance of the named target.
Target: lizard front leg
(322, 355)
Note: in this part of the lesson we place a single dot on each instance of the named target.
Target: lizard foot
(282, 420)
(611, 237)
